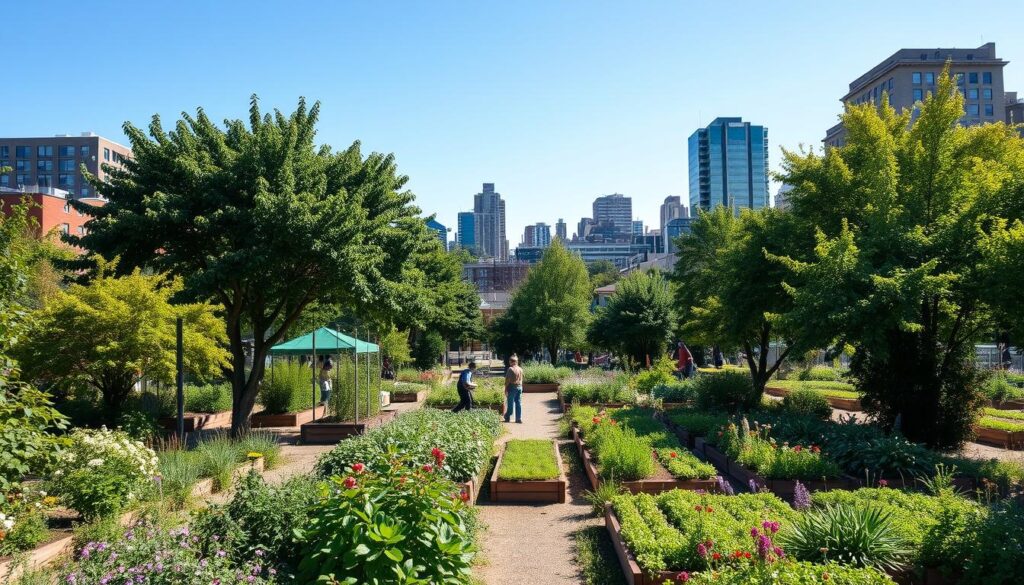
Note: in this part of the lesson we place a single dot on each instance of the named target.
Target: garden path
(527, 544)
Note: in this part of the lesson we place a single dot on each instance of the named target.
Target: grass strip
(999, 424)
(527, 459)
(596, 557)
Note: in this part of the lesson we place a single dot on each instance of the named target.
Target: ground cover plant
(526, 459)
(676, 391)
(697, 422)
(628, 442)
(405, 387)
(544, 374)
(1004, 420)
(826, 388)
(757, 450)
(597, 388)
(489, 392)
(465, 438)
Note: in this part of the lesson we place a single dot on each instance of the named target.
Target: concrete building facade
(617, 211)
(489, 209)
(672, 208)
(56, 162)
(728, 165)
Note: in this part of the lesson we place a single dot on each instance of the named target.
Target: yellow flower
(254, 455)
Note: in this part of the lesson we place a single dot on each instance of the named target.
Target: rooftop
(983, 55)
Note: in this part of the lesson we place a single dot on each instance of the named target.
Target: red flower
(438, 455)
(798, 448)
(716, 556)
(683, 577)
(815, 449)
(708, 509)
(350, 482)
(402, 479)
(698, 508)
(428, 468)
(464, 495)
(358, 467)
(596, 420)
(746, 554)
(672, 455)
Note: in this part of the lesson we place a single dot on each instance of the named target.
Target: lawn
(833, 389)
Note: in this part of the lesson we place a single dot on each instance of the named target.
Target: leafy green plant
(807, 403)
(179, 472)
(659, 374)
(486, 394)
(598, 389)
(595, 556)
(544, 374)
(999, 388)
(27, 442)
(862, 537)
(208, 398)
(529, 459)
(262, 442)
(819, 374)
(682, 391)
(621, 453)
(604, 493)
(727, 391)
(793, 573)
(757, 450)
(219, 457)
(825, 388)
(392, 525)
(701, 424)
(287, 388)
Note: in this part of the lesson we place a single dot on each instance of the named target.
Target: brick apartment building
(50, 208)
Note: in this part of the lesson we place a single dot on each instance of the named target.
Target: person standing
(684, 361)
(465, 387)
(326, 365)
(514, 389)
(719, 359)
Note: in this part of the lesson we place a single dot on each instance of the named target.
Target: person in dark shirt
(465, 387)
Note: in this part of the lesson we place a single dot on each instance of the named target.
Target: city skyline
(568, 116)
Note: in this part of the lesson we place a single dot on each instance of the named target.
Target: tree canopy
(638, 318)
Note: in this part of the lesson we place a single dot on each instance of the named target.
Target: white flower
(95, 462)
(8, 524)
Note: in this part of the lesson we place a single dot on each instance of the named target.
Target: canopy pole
(355, 362)
(314, 374)
(369, 388)
(335, 392)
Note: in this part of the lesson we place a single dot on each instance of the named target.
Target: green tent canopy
(328, 341)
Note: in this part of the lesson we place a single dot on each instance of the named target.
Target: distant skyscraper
(583, 228)
(615, 210)
(442, 231)
(489, 210)
(537, 236)
(466, 236)
(560, 230)
(638, 228)
(729, 165)
(672, 208)
(782, 198)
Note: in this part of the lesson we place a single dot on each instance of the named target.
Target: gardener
(465, 387)
(514, 389)
(684, 361)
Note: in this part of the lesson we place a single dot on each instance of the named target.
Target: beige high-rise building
(489, 218)
(909, 75)
(44, 163)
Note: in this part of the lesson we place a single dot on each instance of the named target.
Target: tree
(508, 337)
(602, 273)
(115, 331)
(730, 292)
(638, 318)
(910, 215)
(553, 303)
(257, 218)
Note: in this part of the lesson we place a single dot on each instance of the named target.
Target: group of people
(686, 367)
(513, 389)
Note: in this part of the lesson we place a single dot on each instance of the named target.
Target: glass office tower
(728, 163)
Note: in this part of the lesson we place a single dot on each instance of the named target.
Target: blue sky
(556, 102)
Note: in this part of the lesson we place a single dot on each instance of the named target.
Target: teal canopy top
(328, 341)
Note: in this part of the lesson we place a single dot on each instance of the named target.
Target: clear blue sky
(556, 102)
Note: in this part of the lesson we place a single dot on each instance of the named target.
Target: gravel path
(526, 544)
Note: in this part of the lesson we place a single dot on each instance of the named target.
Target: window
(23, 179)
(986, 93)
(66, 150)
(65, 228)
(23, 151)
(916, 77)
(67, 208)
(67, 164)
(5, 151)
(959, 78)
(970, 56)
(66, 180)
(23, 165)
(81, 230)
(44, 165)
(44, 180)
(989, 110)
(106, 154)
(918, 95)
(972, 77)
(972, 94)
(929, 78)
(84, 150)
(890, 84)
(972, 109)
(85, 191)
(5, 180)
(924, 56)
(986, 77)
(44, 151)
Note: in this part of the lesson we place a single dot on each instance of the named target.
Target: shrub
(23, 520)
(726, 391)
(544, 374)
(646, 380)
(683, 391)
(698, 423)
(599, 389)
(807, 403)
(819, 374)
(428, 350)
(793, 573)
(288, 388)
(262, 442)
(103, 471)
(391, 525)
(179, 472)
(218, 457)
(529, 459)
(27, 442)
(208, 398)
(999, 388)
(858, 536)
(997, 547)
(621, 454)
(139, 425)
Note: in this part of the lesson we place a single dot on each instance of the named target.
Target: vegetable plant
(529, 459)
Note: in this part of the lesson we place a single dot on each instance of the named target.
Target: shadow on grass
(596, 557)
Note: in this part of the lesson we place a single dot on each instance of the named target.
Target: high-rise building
(56, 162)
(537, 235)
(729, 165)
(615, 210)
(909, 75)
(489, 209)
(675, 228)
(442, 231)
(583, 228)
(672, 208)
(1015, 111)
(638, 228)
(560, 231)
(466, 236)
(529, 236)
(782, 197)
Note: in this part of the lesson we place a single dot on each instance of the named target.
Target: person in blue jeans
(514, 389)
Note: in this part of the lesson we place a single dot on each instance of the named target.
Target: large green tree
(115, 331)
(261, 220)
(638, 318)
(729, 290)
(910, 216)
(553, 303)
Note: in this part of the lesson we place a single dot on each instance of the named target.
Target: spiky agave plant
(863, 537)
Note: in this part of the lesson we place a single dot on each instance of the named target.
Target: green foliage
(600, 496)
(757, 450)
(595, 556)
(836, 389)
(675, 391)
(998, 388)
(621, 454)
(597, 388)
(727, 391)
(466, 438)
(638, 318)
(1000, 424)
(140, 426)
(288, 387)
(180, 470)
(627, 442)
(819, 374)
(861, 537)
(807, 403)
(701, 424)
(997, 547)
(544, 374)
(29, 531)
(485, 395)
(553, 303)
(27, 418)
(262, 442)
(428, 350)
(602, 273)
(113, 332)
(208, 398)
(218, 457)
(395, 345)
(529, 459)
(510, 337)
(793, 573)
(658, 375)
(388, 525)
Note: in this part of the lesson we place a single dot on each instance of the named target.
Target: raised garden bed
(833, 401)
(1002, 438)
(288, 419)
(408, 396)
(782, 488)
(326, 432)
(634, 575)
(541, 387)
(1008, 404)
(195, 421)
(551, 490)
(567, 405)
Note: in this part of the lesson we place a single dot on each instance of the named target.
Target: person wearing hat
(465, 387)
(514, 389)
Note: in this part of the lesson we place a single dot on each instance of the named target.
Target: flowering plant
(102, 471)
(23, 519)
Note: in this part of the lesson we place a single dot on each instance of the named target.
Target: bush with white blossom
(103, 471)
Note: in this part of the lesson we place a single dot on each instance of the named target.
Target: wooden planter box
(545, 387)
(1008, 404)
(640, 486)
(332, 432)
(630, 568)
(409, 397)
(785, 488)
(685, 437)
(1004, 439)
(195, 421)
(288, 419)
(833, 401)
(530, 490)
(713, 455)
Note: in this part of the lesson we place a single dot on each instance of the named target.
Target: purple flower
(221, 554)
(259, 552)
(801, 497)
(754, 533)
(701, 550)
(724, 486)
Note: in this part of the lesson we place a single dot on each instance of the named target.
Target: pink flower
(350, 482)
(358, 467)
(428, 468)
(883, 483)
(702, 550)
(683, 577)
